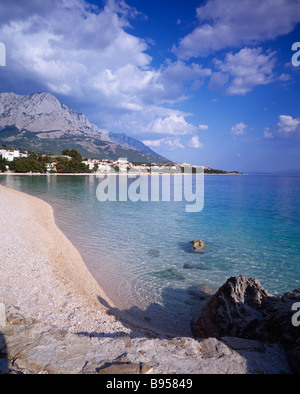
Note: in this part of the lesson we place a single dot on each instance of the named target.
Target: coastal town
(71, 161)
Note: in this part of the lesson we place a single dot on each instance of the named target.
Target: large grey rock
(233, 310)
(242, 308)
(276, 325)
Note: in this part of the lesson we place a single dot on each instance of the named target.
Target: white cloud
(246, 69)
(267, 133)
(173, 144)
(218, 80)
(236, 23)
(287, 124)
(165, 143)
(153, 143)
(238, 130)
(173, 124)
(178, 70)
(73, 45)
(195, 143)
(284, 77)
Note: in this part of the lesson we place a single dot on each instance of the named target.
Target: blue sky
(206, 82)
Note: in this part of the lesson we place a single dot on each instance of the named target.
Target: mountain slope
(42, 113)
(124, 140)
(41, 123)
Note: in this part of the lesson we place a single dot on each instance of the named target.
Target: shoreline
(100, 174)
(43, 273)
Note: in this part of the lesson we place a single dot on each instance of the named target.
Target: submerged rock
(198, 245)
(201, 291)
(153, 252)
(199, 266)
(169, 274)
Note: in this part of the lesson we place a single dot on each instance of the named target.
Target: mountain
(124, 140)
(39, 122)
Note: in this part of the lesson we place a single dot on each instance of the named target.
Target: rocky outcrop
(242, 308)
(232, 310)
(198, 245)
(31, 347)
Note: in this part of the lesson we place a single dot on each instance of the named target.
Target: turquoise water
(140, 252)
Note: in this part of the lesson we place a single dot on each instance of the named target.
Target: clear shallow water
(140, 251)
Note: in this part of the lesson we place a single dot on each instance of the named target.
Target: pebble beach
(43, 273)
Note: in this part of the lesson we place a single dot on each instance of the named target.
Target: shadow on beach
(158, 321)
(163, 321)
(4, 364)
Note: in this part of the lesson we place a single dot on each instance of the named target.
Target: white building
(91, 163)
(122, 161)
(10, 155)
(123, 164)
(51, 167)
(104, 168)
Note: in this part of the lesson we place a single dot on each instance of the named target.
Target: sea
(140, 252)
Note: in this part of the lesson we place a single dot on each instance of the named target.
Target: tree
(76, 155)
(27, 164)
(72, 153)
(66, 152)
(60, 166)
(3, 164)
(2, 167)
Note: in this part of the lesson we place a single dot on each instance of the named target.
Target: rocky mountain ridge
(39, 122)
(43, 113)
